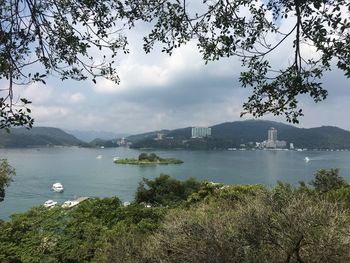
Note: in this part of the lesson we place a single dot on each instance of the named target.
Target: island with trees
(148, 159)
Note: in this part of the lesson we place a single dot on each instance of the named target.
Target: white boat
(57, 187)
(307, 159)
(50, 203)
(115, 158)
(99, 157)
(69, 203)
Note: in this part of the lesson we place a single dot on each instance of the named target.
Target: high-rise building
(159, 137)
(272, 134)
(272, 141)
(200, 132)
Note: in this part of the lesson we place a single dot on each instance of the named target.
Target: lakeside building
(160, 136)
(122, 142)
(272, 142)
(272, 134)
(200, 132)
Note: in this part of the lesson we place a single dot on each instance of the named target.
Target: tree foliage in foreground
(63, 38)
(6, 174)
(165, 190)
(327, 180)
(252, 31)
(215, 223)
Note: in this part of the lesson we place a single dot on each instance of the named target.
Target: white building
(272, 141)
(159, 137)
(272, 134)
(200, 132)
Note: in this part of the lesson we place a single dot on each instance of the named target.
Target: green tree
(257, 228)
(59, 37)
(164, 190)
(327, 180)
(6, 174)
(143, 156)
(153, 157)
(251, 30)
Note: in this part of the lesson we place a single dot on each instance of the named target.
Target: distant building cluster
(122, 142)
(160, 136)
(272, 141)
(201, 132)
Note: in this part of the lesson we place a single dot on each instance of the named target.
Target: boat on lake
(57, 187)
(99, 157)
(71, 203)
(50, 203)
(307, 159)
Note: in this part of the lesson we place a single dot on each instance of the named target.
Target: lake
(82, 174)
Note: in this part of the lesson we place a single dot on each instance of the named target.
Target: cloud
(158, 91)
(153, 74)
(76, 98)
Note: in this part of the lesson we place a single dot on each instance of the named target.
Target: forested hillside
(37, 136)
(234, 134)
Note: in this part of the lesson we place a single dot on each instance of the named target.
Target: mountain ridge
(38, 136)
(234, 134)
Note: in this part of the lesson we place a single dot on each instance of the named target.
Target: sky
(158, 91)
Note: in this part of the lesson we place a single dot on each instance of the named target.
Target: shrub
(327, 180)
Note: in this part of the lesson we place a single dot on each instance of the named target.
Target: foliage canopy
(6, 174)
(54, 37)
(252, 31)
(231, 223)
(63, 36)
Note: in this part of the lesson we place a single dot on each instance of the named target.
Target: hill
(146, 135)
(233, 134)
(37, 136)
(88, 136)
(98, 142)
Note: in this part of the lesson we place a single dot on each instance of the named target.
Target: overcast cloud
(158, 91)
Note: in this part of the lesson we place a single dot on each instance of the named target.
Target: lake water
(82, 174)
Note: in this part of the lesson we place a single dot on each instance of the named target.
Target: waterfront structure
(122, 142)
(160, 136)
(272, 141)
(200, 132)
(272, 134)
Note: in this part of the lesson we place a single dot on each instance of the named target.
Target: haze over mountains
(88, 136)
(224, 135)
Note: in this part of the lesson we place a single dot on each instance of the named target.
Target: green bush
(164, 190)
(255, 229)
(327, 180)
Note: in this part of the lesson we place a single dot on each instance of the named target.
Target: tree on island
(61, 37)
(143, 156)
(152, 157)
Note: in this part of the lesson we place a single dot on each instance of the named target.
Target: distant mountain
(88, 136)
(145, 136)
(37, 136)
(233, 134)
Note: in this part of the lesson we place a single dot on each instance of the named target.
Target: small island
(147, 159)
